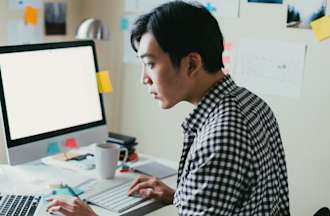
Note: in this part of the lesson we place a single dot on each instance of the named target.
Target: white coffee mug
(106, 159)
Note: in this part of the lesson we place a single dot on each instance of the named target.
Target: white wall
(304, 121)
(108, 52)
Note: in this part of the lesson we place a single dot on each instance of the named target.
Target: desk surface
(35, 178)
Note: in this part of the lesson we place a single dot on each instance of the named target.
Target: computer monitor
(49, 97)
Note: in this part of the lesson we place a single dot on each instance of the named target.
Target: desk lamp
(92, 28)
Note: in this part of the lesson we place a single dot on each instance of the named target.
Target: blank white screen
(49, 90)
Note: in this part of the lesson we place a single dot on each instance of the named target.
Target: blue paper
(64, 192)
(124, 24)
(210, 7)
(53, 148)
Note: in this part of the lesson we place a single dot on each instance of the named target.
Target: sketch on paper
(271, 67)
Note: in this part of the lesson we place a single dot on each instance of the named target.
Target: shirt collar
(199, 115)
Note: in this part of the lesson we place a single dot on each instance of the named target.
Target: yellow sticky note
(31, 15)
(321, 28)
(104, 82)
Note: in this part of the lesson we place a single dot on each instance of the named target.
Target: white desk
(36, 177)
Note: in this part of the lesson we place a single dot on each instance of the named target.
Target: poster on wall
(264, 68)
(55, 18)
(302, 12)
(267, 1)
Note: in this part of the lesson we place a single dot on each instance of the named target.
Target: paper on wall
(227, 57)
(321, 28)
(271, 67)
(148, 5)
(31, 15)
(129, 56)
(15, 4)
(20, 33)
(301, 13)
(142, 5)
(222, 8)
(21, 4)
(104, 82)
(130, 5)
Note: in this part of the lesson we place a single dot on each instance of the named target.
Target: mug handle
(122, 148)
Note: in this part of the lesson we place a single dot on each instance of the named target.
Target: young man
(233, 160)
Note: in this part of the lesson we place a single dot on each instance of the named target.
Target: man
(232, 160)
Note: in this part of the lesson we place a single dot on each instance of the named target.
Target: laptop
(17, 204)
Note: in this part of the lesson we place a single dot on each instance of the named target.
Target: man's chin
(165, 105)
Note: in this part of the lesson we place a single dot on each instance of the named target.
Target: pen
(72, 191)
(75, 194)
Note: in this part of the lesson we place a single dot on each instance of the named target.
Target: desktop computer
(49, 94)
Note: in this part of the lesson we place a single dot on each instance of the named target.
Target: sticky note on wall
(71, 143)
(226, 59)
(31, 15)
(124, 23)
(228, 46)
(226, 71)
(53, 148)
(104, 82)
(321, 28)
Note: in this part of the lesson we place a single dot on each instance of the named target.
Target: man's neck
(205, 82)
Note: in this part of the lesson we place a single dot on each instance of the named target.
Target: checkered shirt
(232, 161)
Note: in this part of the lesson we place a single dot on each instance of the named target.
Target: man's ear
(194, 63)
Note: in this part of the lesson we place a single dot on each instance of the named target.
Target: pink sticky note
(228, 46)
(71, 143)
(226, 71)
(226, 59)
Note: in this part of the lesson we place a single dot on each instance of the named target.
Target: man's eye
(150, 65)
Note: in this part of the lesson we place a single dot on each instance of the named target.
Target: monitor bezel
(34, 47)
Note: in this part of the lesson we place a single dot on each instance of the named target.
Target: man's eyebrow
(145, 55)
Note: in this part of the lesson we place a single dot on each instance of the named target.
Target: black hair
(181, 28)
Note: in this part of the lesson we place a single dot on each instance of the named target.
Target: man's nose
(145, 79)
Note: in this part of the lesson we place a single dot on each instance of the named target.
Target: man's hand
(152, 187)
(69, 206)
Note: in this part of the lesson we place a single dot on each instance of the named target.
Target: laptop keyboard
(116, 199)
(12, 205)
